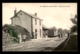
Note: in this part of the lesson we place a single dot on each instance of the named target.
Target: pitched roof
(17, 28)
(33, 16)
(21, 30)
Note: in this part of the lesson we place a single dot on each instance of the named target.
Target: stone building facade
(30, 22)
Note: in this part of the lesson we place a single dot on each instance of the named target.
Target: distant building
(52, 32)
(45, 32)
(30, 22)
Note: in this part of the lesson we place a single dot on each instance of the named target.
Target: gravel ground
(45, 44)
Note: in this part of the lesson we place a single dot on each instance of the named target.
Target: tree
(51, 32)
(54, 31)
(74, 27)
(70, 44)
(74, 20)
(10, 29)
(60, 31)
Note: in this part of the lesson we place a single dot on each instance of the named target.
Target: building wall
(16, 21)
(23, 20)
(6, 39)
(56, 33)
(38, 27)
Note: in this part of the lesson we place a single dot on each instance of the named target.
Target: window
(35, 21)
(40, 32)
(35, 30)
(40, 22)
(20, 13)
(35, 33)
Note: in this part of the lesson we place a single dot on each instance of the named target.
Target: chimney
(35, 14)
(15, 12)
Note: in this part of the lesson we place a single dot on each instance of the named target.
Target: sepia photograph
(39, 27)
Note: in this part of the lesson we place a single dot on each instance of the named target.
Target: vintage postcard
(39, 27)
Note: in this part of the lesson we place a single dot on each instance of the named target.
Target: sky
(53, 14)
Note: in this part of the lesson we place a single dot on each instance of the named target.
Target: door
(35, 33)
